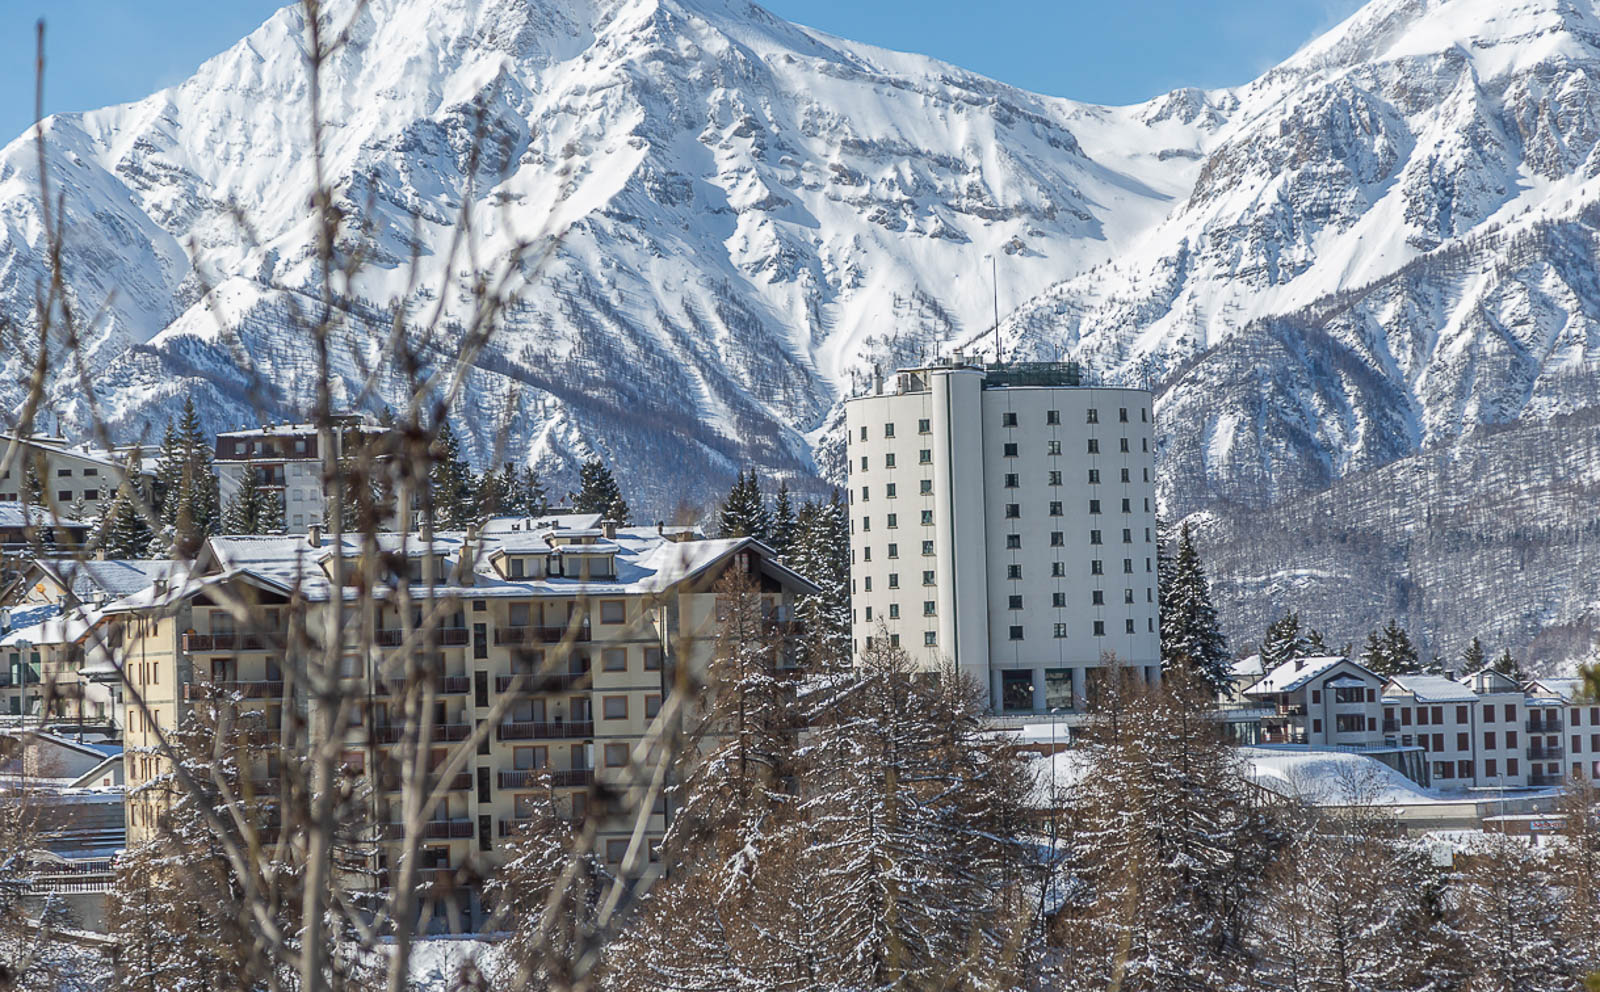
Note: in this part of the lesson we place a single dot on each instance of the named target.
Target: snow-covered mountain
(751, 211)
(1385, 246)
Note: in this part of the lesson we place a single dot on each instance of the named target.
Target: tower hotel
(1002, 519)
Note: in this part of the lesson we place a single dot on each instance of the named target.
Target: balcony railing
(1550, 725)
(444, 636)
(391, 782)
(521, 778)
(207, 689)
(541, 634)
(542, 730)
(545, 681)
(1543, 752)
(449, 685)
(1544, 778)
(394, 733)
(516, 826)
(225, 642)
(433, 830)
(572, 777)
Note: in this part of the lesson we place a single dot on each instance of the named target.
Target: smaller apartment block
(287, 462)
(1481, 732)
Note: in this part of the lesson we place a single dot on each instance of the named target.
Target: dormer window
(555, 565)
(516, 568)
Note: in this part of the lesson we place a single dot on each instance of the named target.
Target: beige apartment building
(596, 619)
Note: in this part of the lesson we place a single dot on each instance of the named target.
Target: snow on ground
(1322, 777)
(1333, 778)
(437, 963)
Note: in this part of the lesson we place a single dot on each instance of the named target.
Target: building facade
(65, 475)
(582, 627)
(1485, 731)
(1003, 521)
(1320, 702)
(287, 462)
(1471, 729)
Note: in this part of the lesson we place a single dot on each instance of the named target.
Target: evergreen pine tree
(598, 493)
(821, 553)
(253, 509)
(781, 534)
(1284, 642)
(1390, 652)
(200, 476)
(744, 512)
(451, 484)
(1507, 665)
(1191, 636)
(530, 495)
(1473, 658)
(185, 496)
(33, 471)
(618, 512)
(1317, 647)
(124, 531)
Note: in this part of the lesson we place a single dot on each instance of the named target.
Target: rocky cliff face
(1382, 248)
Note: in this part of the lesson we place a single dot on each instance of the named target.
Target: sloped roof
(1432, 688)
(646, 562)
(1567, 689)
(14, 516)
(1293, 675)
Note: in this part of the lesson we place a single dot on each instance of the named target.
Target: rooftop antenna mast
(994, 283)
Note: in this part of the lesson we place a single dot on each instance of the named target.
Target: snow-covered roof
(61, 629)
(352, 423)
(1566, 689)
(1430, 688)
(23, 617)
(14, 516)
(647, 561)
(115, 577)
(63, 446)
(1293, 675)
(1251, 667)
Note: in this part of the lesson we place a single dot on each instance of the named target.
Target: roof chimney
(609, 529)
(661, 528)
(314, 535)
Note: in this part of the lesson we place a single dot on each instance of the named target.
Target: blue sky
(1107, 51)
